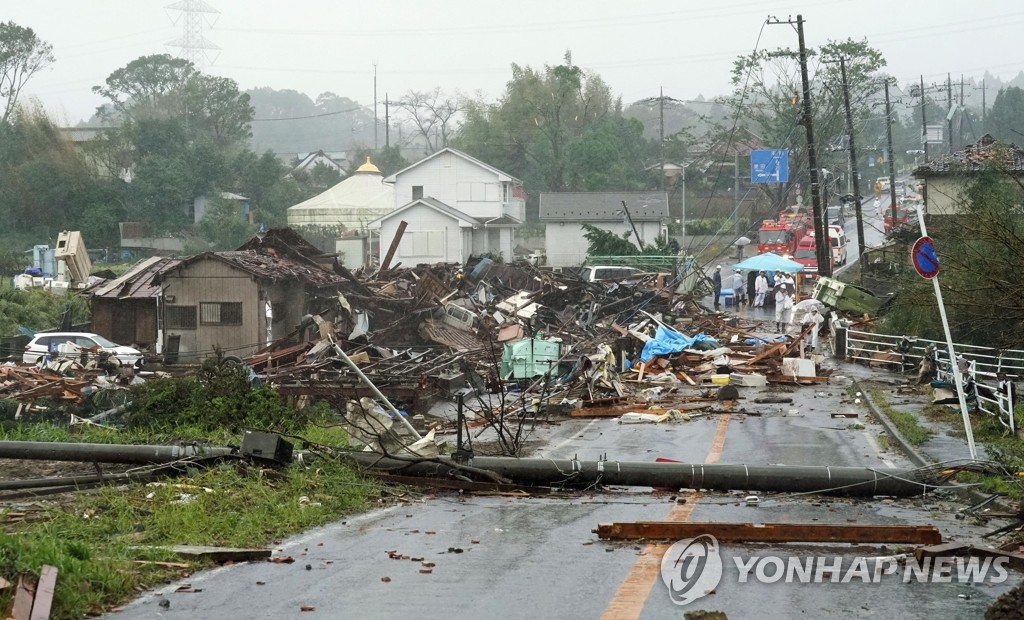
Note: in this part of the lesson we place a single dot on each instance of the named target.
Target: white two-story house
(454, 206)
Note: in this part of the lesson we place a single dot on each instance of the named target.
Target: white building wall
(430, 237)
(566, 246)
(457, 182)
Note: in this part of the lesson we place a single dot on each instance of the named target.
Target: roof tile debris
(973, 157)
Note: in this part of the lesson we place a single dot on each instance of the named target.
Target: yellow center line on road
(629, 599)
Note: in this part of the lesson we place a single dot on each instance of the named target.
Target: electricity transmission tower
(195, 16)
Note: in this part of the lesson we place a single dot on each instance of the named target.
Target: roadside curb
(970, 494)
(915, 457)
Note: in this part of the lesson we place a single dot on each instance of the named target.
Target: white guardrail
(989, 374)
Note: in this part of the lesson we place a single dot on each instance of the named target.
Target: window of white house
(417, 192)
(180, 317)
(220, 313)
(422, 243)
(504, 192)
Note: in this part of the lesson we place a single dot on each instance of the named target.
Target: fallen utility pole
(105, 453)
(376, 392)
(849, 481)
(772, 532)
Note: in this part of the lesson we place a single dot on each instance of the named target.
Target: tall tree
(22, 55)
(979, 252)
(179, 136)
(1006, 119)
(768, 91)
(557, 129)
(433, 114)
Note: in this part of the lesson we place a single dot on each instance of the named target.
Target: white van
(837, 236)
(594, 273)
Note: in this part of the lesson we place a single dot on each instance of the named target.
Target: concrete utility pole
(375, 144)
(949, 107)
(853, 163)
(661, 140)
(984, 125)
(892, 164)
(963, 109)
(822, 249)
(924, 122)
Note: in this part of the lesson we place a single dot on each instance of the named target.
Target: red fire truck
(780, 237)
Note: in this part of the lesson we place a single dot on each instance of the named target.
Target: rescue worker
(780, 306)
(760, 290)
(739, 290)
(716, 282)
(815, 320)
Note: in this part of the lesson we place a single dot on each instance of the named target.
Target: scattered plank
(162, 564)
(44, 593)
(221, 554)
(772, 532)
(24, 594)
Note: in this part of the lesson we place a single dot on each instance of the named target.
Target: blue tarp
(765, 340)
(667, 341)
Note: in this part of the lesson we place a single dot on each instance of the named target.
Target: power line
(299, 118)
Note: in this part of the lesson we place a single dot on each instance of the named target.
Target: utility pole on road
(892, 164)
(853, 165)
(822, 251)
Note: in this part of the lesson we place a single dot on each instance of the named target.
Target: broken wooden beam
(1014, 560)
(772, 532)
(220, 554)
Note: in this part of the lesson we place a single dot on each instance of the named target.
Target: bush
(219, 398)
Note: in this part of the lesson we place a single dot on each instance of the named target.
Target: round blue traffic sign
(924, 258)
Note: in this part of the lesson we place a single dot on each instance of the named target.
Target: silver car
(44, 344)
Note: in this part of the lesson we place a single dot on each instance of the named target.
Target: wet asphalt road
(538, 558)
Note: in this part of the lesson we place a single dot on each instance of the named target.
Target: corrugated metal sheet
(458, 339)
(138, 282)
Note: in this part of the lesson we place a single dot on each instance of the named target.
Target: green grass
(1002, 447)
(906, 423)
(94, 538)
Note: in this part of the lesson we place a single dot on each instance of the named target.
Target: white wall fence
(989, 374)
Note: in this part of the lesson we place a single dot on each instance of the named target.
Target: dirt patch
(1009, 606)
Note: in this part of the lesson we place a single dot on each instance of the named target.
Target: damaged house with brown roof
(240, 301)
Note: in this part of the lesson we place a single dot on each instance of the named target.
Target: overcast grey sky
(330, 45)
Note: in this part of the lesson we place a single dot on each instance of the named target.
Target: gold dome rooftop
(368, 167)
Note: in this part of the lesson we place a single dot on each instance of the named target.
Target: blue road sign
(769, 166)
(924, 258)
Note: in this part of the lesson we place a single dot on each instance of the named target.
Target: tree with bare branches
(22, 55)
(433, 113)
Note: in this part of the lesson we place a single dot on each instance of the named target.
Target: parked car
(44, 344)
(594, 273)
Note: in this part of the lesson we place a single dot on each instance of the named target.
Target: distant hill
(288, 122)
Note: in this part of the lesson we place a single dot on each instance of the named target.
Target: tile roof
(602, 206)
(268, 265)
(973, 157)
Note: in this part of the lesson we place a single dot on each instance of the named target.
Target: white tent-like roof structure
(352, 203)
